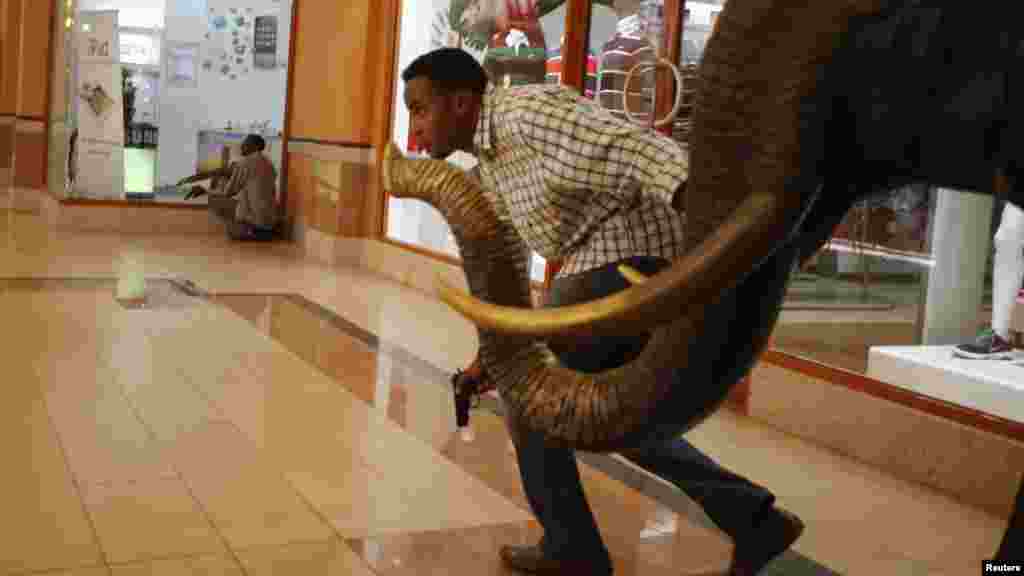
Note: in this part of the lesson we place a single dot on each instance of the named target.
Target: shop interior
(194, 78)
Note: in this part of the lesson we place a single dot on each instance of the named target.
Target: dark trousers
(1012, 547)
(551, 479)
(225, 208)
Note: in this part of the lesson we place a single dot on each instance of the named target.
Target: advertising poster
(98, 95)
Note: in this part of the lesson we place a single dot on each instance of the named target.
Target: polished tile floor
(285, 418)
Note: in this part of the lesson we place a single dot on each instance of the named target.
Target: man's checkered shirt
(579, 184)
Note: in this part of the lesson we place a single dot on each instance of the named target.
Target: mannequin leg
(1007, 271)
(1008, 268)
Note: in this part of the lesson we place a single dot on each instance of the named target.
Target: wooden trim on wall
(384, 71)
(289, 91)
(12, 33)
(48, 88)
(577, 40)
(434, 254)
(395, 45)
(878, 389)
(385, 137)
(672, 50)
(93, 202)
(332, 143)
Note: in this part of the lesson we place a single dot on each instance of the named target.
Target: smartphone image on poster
(264, 51)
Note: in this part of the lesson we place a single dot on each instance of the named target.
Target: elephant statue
(804, 108)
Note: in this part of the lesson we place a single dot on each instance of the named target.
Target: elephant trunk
(597, 412)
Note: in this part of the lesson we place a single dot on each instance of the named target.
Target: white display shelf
(994, 387)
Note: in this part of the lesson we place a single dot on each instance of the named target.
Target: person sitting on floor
(248, 202)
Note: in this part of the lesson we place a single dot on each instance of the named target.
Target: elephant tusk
(696, 280)
(632, 275)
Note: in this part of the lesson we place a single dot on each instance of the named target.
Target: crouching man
(248, 202)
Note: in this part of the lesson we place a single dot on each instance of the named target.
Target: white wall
(258, 96)
(131, 13)
(181, 109)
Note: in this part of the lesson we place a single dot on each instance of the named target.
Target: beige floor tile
(43, 525)
(846, 499)
(103, 439)
(248, 500)
(358, 502)
(149, 520)
(328, 558)
(467, 551)
(91, 571)
(162, 396)
(212, 565)
(622, 513)
(476, 551)
(345, 493)
(281, 403)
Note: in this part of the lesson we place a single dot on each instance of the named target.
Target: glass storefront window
(521, 47)
(910, 269)
(630, 39)
(195, 63)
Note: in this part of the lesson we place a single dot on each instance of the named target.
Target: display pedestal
(993, 387)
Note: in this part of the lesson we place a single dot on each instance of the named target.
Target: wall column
(960, 237)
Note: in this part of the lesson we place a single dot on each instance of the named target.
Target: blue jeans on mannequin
(550, 476)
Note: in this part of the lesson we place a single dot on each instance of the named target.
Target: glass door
(517, 42)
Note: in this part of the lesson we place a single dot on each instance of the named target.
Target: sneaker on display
(987, 346)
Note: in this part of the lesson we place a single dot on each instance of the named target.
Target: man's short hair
(450, 70)
(257, 142)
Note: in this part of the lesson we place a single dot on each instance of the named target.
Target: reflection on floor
(260, 434)
(419, 400)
